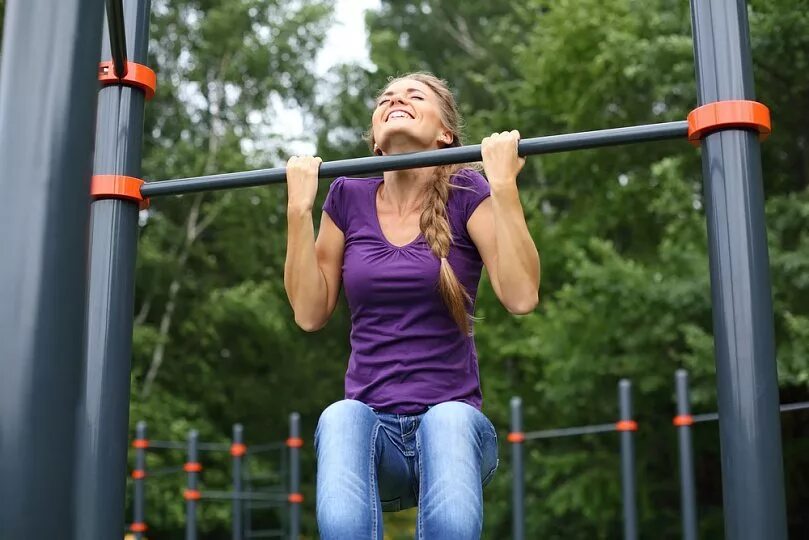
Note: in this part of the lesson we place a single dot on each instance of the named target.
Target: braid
(435, 227)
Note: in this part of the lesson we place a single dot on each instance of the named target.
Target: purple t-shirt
(406, 351)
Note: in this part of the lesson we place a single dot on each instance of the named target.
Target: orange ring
(137, 75)
(728, 114)
(115, 186)
(295, 442)
(516, 437)
(295, 498)
(626, 425)
(192, 466)
(191, 495)
(138, 474)
(138, 527)
(139, 443)
(238, 449)
(683, 420)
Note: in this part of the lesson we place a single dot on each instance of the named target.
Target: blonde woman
(409, 248)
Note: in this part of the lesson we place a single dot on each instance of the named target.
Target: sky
(346, 41)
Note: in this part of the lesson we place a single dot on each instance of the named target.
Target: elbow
(309, 324)
(523, 305)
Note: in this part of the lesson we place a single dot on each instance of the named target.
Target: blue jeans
(369, 462)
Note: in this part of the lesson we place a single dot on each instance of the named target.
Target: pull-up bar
(117, 30)
(463, 154)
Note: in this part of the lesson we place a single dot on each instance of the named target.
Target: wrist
(298, 211)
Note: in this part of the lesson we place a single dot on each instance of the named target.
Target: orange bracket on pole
(192, 466)
(140, 443)
(137, 76)
(294, 442)
(114, 186)
(191, 495)
(683, 420)
(138, 527)
(516, 437)
(138, 474)
(728, 114)
(295, 498)
(238, 449)
(626, 425)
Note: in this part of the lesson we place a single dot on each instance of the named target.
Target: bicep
(481, 229)
(329, 247)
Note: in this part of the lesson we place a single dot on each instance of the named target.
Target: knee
(451, 418)
(344, 417)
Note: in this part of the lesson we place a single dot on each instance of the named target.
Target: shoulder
(471, 188)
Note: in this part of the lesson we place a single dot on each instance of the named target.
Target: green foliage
(621, 233)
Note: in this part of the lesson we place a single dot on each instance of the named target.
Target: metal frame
(45, 187)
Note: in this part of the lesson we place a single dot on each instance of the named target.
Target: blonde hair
(434, 223)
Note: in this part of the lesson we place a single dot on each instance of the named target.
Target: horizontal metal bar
(214, 447)
(569, 432)
(244, 495)
(163, 471)
(170, 445)
(445, 156)
(786, 407)
(117, 31)
(258, 448)
(265, 505)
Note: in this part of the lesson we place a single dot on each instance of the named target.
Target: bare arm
(313, 268)
(500, 232)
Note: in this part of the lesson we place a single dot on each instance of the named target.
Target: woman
(409, 248)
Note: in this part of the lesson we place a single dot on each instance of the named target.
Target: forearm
(518, 267)
(303, 280)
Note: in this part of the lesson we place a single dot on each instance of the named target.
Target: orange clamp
(137, 75)
(516, 437)
(114, 186)
(683, 420)
(238, 449)
(294, 442)
(192, 466)
(138, 527)
(295, 498)
(728, 114)
(138, 474)
(140, 443)
(626, 425)
(191, 495)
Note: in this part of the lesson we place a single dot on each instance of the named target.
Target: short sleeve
(334, 203)
(475, 190)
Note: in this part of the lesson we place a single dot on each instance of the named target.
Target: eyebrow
(409, 90)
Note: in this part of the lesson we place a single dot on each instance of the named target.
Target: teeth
(398, 114)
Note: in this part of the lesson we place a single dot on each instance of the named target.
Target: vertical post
(626, 426)
(104, 409)
(516, 437)
(48, 90)
(295, 497)
(237, 451)
(749, 423)
(683, 421)
(191, 494)
(141, 443)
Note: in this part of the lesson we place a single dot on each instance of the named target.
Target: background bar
(117, 35)
(688, 497)
(517, 473)
(744, 344)
(628, 462)
(463, 154)
(48, 90)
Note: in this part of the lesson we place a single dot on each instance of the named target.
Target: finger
(515, 133)
(319, 159)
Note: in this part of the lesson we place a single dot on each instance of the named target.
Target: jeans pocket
(394, 505)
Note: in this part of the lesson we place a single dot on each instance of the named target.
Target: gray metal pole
(48, 90)
(104, 410)
(191, 493)
(749, 423)
(516, 437)
(117, 36)
(627, 426)
(139, 477)
(683, 421)
(295, 498)
(237, 450)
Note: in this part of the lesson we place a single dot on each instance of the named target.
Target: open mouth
(398, 114)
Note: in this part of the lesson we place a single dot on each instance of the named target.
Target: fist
(500, 159)
(302, 173)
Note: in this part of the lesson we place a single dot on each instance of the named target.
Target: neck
(404, 190)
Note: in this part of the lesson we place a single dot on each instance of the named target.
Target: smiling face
(410, 116)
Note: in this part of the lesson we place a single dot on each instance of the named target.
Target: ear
(446, 137)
